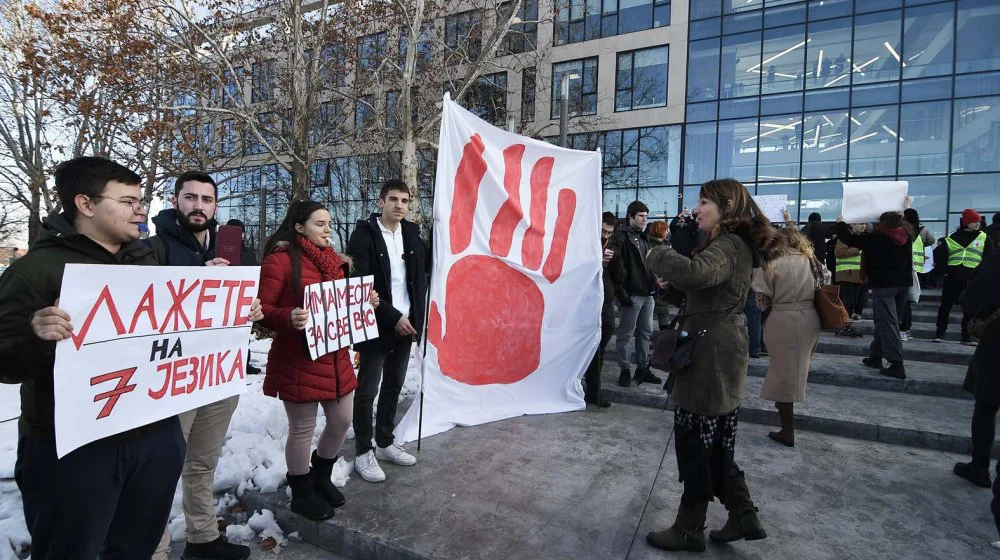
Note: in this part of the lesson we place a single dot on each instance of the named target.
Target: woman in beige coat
(787, 286)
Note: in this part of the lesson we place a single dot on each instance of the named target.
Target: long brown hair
(740, 215)
(894, 220)
(286, 235)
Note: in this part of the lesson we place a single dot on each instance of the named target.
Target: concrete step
(942, 353)
(921, 315)
(931, 422)
(921, 331)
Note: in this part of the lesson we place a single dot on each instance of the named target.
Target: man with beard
(185, 236)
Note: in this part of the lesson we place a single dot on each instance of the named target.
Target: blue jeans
(755, 326)
(637, 319)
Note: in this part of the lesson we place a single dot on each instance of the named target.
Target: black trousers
(389, 368)
(906, 322)
(952, 290)
(984, 420)
(850, 296)
(592, 378)
(109, 499)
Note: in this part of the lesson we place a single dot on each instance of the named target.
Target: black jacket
(982, 298)
(959, 273)
(33, 282)
(371, 257)
(175, 246)
(817, 232)
(684, 235)
(636, 281)
(887, 256)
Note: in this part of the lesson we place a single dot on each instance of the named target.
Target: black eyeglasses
(138, 205)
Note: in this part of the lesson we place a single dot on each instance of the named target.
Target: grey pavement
(294, 550)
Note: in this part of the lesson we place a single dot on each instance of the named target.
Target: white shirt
(397, 268)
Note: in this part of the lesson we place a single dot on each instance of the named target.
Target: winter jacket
(371, 257)
(982, 379)
(175, 246)
(33, 282)
(960, 274)
(683, 235)
(630, 246)
(888, 255)
(716, 281)
(842, 251)
(660, 305)
(291, 374)
(817, 232)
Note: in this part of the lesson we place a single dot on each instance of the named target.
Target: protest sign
(339, 314)
(865, 201)
(516, 288)
(773, 206)
(148, 342)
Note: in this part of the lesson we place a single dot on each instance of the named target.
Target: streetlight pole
(564, 106)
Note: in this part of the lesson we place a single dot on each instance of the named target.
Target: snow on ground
(10, 401)
(252, 458)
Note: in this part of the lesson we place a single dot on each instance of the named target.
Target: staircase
(928, 409)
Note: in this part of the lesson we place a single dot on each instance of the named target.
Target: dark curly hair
(740, 215)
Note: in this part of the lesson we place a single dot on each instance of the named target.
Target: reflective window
(790, 190)
(617, 200)
(662, 201)
(823, 9)
(977, 85)
(783, 64)
(736, 6)
(703, 70)
(825, 197)
(930, 196)
(487, 98)
(705, 28)
(738, 108)
(659, 156)
(975, 191)
(705, 8)
(372, 50)
(862, 6)
(780, 147)
(927, 41)
(976, 135)
(827, 53)
(874, 135)
(522, 37)
(264, 80)
(925, 90)
(978, 48)
(642, 79)
(463, 34)
(776, 104)
(785, 15)
(924, 132)
(583, 20)
(699, 152)
(876, 47)
(528, 86)
(824, 144)
(741, 65)
(737, 151)
(582, 86)
(702, 111)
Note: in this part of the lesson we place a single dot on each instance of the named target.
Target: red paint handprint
(494, 311)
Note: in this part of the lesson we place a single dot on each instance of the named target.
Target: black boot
(976, 474)
(743, 522)
(786, 435)
(322, 469)
(872, 362)
(625, 378)
(219, 549)
(644, 375)
(895, 370)
(687, 532)
(305, 501)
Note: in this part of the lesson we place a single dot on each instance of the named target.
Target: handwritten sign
(865, 201)
(148, 343)
(773, 206)
(339, 314)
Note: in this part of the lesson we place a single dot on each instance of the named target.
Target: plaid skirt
(705, 450)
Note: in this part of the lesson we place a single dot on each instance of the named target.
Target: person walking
(787, 286)
(851, 279)
(299, 254)
(708, 392)
(888, 265)
(958, 258)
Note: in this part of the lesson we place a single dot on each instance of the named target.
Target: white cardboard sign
(865, 201)
(148, 343)
(773, 206)
(339, 314)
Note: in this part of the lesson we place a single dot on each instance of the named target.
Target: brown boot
(786, 435)
(743, 522)
(687, 532)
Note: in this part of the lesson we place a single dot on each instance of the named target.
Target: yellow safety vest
(970, 256)
(919, 258)
(849, 263)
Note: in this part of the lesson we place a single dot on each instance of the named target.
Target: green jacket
(33, 282)
(714, 281)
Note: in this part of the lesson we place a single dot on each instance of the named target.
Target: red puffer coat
(291, 374)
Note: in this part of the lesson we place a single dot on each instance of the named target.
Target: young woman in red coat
(300, 254)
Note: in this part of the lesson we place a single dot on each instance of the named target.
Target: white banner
(865, 201)
(773, 206)
(339, 314)
(516, 287)
(149, 342)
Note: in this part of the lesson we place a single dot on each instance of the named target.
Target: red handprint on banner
(493, 312)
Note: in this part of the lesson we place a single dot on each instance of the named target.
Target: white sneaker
(368, 468)
(395, 454)
(905, 336)
(939, 340)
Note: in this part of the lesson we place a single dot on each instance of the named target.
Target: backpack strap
(159, 248)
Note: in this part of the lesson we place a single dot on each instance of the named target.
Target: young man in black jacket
(388, 247)
(110, 497)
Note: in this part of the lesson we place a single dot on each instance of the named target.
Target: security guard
(960, 255)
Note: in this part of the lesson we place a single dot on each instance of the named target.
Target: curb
(877, 383)
(909, 354)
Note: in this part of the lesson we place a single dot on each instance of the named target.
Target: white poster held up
(865, 201)
(773, 206)
(339, 314)
(516, 288)
(149, 342)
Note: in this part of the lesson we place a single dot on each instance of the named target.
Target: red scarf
(326, 260)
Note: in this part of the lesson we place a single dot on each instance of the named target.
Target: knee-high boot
(687, 532)
(743, 522)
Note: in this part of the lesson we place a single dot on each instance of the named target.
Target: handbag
(832, 313)
(913, 296)
(979, 325)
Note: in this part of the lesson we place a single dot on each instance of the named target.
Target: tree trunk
(34, 215)
(300, 180)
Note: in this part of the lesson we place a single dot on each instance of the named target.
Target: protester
(888, 258)
(661, 307)
(923, 238)
(185, 236)
(635, 295)
(707, 394)
(982, 378)
(958, 258)
(787, 285)
(993, 232)
(684, 233)
(81, 506)
(300, 254)
(592, 378)
(248, 257)
(389, 247)
(851, 279)
(817, 232)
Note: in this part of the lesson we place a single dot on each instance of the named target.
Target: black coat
(817, 232)
(684, 235)
(963, 237)
(175, 246)
(371, 257)
(982, 379)
(631, 260)
(888, 257)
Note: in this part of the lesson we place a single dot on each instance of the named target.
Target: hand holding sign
(336, 314)
(52, 323)
(298, 318)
